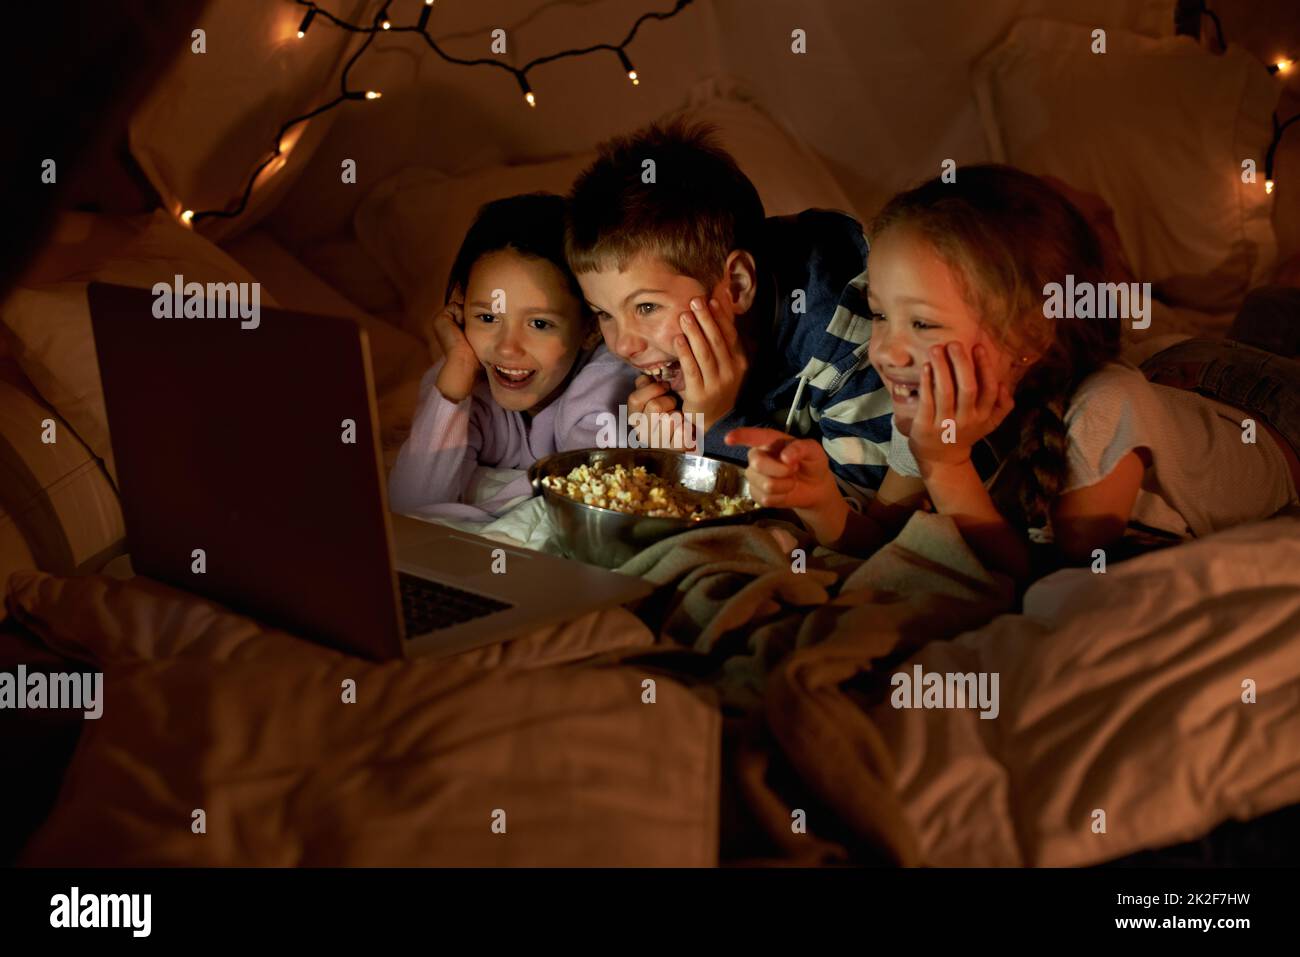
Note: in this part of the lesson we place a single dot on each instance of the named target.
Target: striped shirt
(811, 377)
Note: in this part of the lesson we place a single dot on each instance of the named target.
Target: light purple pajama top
(435, 468)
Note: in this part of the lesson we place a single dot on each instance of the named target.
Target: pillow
(210, 120)
(48, 326)
(1156, 127)
(250, 725)
(412, 223)
(58, 510)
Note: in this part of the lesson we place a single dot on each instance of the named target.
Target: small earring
(1024, 359)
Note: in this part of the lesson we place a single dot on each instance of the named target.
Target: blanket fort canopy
(382, 24)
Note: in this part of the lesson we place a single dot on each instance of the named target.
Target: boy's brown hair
(699, 207)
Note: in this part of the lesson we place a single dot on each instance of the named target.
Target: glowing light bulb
(1284, 65)
(631, 70)
(187, 217)
(306, 22)
(373, 94)
(528, 90)
(1268, 186)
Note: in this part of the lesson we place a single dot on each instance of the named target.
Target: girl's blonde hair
(1007, 234)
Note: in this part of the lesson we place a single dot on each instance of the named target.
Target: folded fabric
(436, 763)
(786, 647)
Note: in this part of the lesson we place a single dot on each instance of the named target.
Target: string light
(529, 98)
(1281, 65)
(1278, 130)
(380, 24)
(627, 65)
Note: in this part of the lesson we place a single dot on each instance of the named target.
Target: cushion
(412, 224)
(48, 324)
(1158, 128)
(250, 725)
(58, 511)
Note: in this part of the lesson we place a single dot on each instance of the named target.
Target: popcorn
(636, 492)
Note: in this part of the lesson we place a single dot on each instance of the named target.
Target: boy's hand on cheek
(461, 370)
(650, 397)
(713, 361)
(961, 401)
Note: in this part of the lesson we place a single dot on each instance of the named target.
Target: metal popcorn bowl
(605, 537)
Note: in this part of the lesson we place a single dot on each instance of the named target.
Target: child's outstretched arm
(785, 472)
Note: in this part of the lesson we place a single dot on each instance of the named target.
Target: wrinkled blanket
(226, 743)
(750, 598)
(1135, 708)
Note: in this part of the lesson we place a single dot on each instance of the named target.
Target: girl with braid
(1028, 429)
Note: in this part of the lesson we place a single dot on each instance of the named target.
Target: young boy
(733, 319)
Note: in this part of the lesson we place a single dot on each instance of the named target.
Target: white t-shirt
(1202, 476)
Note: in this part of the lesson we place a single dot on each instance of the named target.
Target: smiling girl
(521, 376)
(1023, 427)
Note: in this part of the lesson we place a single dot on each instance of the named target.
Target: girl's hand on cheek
(961, 401)
(446, 330)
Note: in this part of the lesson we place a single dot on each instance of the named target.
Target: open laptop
(250, 471)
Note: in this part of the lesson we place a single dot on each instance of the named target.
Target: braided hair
(1006, 235)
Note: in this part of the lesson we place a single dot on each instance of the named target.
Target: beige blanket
(785, 645)
(509, 757)
(1138, 708)
(1135, 708)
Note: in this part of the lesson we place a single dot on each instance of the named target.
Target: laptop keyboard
(429, 606)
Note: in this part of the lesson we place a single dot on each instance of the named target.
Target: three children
(933, 379)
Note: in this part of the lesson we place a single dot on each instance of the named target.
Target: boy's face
(524, 325)
(917, 303)
(638, 310)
